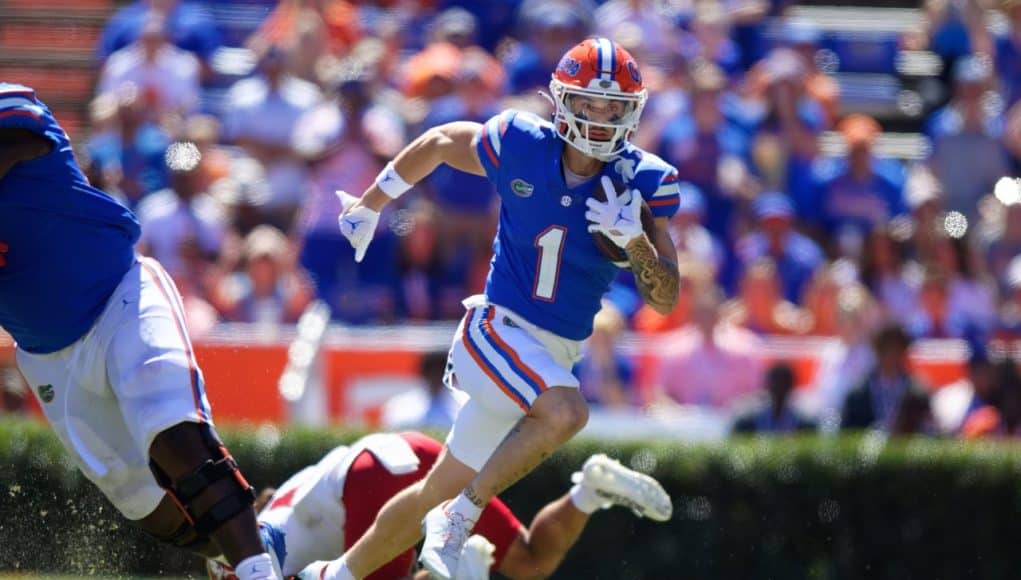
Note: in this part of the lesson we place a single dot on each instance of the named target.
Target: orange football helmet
(597, 69)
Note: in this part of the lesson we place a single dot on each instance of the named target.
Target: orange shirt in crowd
(339, 16)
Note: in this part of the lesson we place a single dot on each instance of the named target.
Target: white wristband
(390, 182)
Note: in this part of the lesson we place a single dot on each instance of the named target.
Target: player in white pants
(546, 281)
(323, 509)
(101, 338)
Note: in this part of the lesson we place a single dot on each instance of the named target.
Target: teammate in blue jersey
(512, 354)
(101, 338)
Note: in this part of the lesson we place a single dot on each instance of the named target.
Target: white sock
(338, 570)
(257, 567)
(586, 500)
(465, 507)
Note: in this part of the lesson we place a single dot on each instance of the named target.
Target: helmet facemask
(576, 129)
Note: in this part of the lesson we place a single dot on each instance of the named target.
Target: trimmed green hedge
(846, 508)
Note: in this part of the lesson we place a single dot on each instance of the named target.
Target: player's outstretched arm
(654, 264)
(538, 551)
(17, 145)
(453, 144)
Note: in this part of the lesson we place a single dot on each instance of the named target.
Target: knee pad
(186, 537)
(236, 498)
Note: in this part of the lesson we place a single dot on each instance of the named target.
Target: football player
(323, 509)
(511, 356)
(101, 337)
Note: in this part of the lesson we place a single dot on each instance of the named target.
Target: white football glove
(620, 223)
(358, 225)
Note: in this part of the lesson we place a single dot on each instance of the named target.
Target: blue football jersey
(545, 265)
(69, 244)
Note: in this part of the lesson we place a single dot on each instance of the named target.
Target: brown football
(615, 253)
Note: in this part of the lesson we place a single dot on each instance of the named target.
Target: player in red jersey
(323, 509)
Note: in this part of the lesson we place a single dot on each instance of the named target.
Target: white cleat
(476, 559)
(619, 485)
(445, 537)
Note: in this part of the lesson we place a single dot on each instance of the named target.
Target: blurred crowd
(230, 154)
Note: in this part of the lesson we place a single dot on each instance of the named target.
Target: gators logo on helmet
(569, 65)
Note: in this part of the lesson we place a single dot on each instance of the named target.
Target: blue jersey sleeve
(658, 182)
(19, 109)
(508, 131)
(489, 143)
(667, 198)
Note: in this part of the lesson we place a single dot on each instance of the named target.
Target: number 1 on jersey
(551, 248)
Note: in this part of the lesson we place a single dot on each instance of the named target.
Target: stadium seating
(50, 46)
(860, 46)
